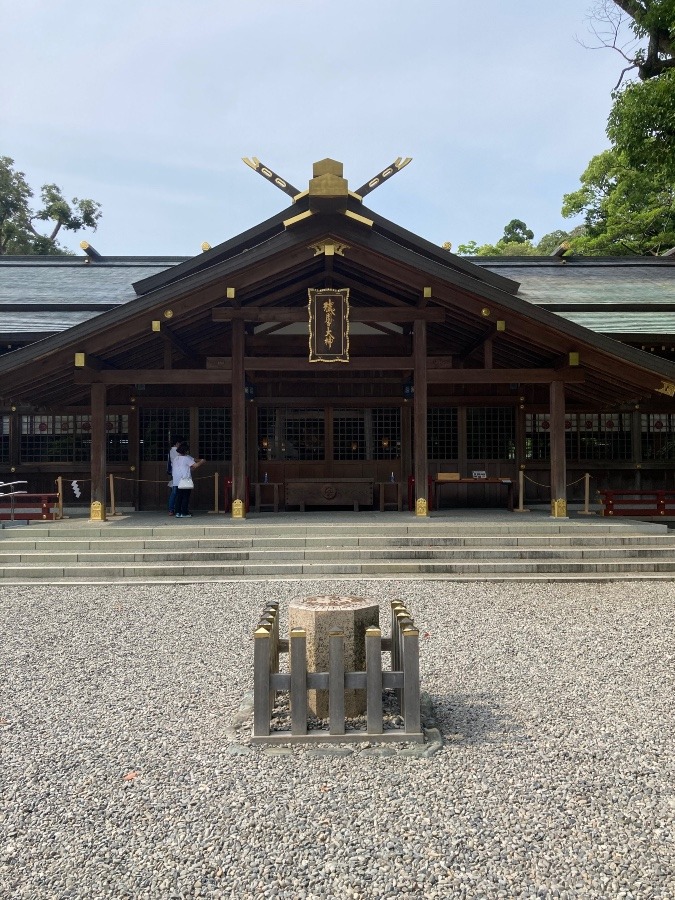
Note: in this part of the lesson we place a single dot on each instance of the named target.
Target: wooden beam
(289, 314)
(503, 376)
(154, 376)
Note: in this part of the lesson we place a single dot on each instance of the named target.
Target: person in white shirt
(182, 469)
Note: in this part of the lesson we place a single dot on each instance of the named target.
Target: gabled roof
(382, 265)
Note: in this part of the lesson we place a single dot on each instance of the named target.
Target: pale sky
(148, 108)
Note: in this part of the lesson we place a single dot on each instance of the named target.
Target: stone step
(67, 531)
(479, 542)
(477, 569)
(113, 557)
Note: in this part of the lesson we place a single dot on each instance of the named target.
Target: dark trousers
(182, 501)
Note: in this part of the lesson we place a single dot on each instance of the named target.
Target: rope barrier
(158, 481)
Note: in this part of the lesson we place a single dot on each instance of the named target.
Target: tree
(516, 241)
(641, 123)
(18, 233)
(626, 210)
(517, 232)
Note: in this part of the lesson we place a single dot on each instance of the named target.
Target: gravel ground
(118, 779)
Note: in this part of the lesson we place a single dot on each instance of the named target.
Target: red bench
(23, 507)
(638, 503)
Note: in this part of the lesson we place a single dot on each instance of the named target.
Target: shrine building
(328, 352)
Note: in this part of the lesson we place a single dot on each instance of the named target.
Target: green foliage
(626, 210)
(641, 124)
(517, 232)
(518, 246)
(17, 230)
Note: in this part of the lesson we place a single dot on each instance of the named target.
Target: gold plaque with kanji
(328, 325)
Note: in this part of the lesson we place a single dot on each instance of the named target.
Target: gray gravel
(118, 778)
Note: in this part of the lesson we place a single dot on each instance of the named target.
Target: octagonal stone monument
(319, 616)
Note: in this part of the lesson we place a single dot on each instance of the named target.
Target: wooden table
(304, 492)
(393, 487)
(259, 490)
(473, 482)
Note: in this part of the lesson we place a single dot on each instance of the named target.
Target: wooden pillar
(238, 421)
(406, 442)
(328, 439)
(636, 444)
(558, 462)
(134, 455)
(14, 440)
(462, 443)
(98, 446)
(252, 465)
(520, 438)
(420, 417)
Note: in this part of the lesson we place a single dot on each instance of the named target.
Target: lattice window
(490, 433)
(442, 440)
(4, 439)
(598, 436)
(117, 440)
(215, 434)
(537, 436)
(386, 430)
(352, 434)
(158, 426)
(658, 436)
(291, 433)
(67, 438)
(588, 436)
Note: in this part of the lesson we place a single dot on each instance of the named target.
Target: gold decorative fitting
(667, 387)
(559, 509)
(304, 215)
(229, 293)
(80, 360)
(501, 325)
(574, 359)
(96, 511)
(485, 312)
(421, 508)
(156, 325)
(168, 314)
(206, 246)
(132, 468)
(358, 218)
(329, 248)
(426, 293)
(12, 408)
(237, 509)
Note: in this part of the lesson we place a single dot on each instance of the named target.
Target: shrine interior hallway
(453, 544)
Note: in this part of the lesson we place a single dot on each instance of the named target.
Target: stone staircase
(205, 550)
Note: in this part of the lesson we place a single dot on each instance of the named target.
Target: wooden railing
(637, 503)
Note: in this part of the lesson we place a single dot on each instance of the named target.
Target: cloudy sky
(148, 108)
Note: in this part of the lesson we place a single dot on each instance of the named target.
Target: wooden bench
(304, 492)
(22, 506)
(638, 503)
